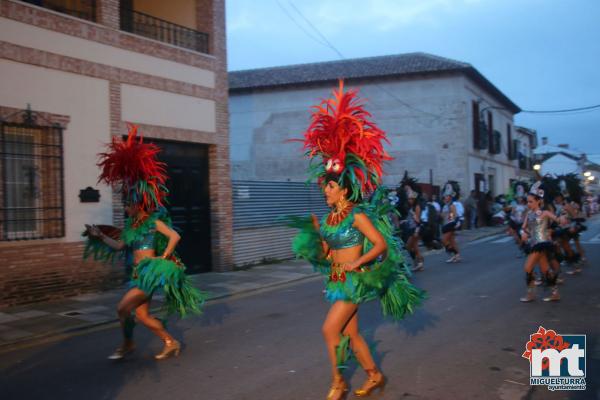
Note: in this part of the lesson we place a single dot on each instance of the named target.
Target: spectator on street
(489, 208)
(471, 210)
(482, 210)
(436, 203)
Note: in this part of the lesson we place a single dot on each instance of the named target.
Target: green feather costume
(350, 147)
(386, 278)
(154, 275)
(133, 165)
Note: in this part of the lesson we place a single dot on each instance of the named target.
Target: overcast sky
(543, 54)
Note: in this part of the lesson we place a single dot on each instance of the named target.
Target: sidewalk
(28, 324)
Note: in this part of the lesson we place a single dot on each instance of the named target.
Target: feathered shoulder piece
(410, 186)
(134, 165)
(346, 142)
(451, 188)
(550, 187)
(570, 187)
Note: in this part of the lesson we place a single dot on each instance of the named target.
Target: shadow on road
(420, 321)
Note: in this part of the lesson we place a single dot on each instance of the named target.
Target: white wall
(525, 148)
(260, 124)
(85, 100)
(481, 161)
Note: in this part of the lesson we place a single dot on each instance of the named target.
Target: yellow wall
(180, 12)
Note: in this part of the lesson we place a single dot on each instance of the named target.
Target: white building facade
(444, 120)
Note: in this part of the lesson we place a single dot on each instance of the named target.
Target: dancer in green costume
(150, 238)
(354, 244)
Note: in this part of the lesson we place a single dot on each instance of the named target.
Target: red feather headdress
(349, 142)
(134, 165)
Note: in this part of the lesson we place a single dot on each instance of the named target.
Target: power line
(300, 26)
(339, 53)
(331, 46)
(588, 108)
(325, 42)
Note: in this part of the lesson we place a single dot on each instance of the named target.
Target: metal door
(188, 201)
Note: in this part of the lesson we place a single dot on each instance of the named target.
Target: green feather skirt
(157, 275)
(385, 279)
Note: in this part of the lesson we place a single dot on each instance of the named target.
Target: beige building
(443, 118)
(73, 73)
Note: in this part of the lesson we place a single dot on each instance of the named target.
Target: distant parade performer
(567, 193)
(536, 232)
(412, 223)
(515, 212)
(353, 245)
(572, 189)
(577, 226)
(150, 239)
(452, 220)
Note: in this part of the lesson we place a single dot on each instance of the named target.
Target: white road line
(504, 239)
(592, 240)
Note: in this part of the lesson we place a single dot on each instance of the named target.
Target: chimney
(544, 140)
(563, 146)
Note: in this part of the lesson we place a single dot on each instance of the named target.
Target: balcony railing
(84, 9)
(164, 31)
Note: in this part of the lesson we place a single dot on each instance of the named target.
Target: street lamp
(537, 167)
(587, 173)
(590, 178)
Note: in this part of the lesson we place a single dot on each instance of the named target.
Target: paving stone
(4, 317)
(30, 314)
(14, 334)
(92, 309)
(94, 317)
(46, 324)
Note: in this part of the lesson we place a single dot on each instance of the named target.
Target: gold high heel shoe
(373, 382)
(122, 351)
(338, 390)
(172, 346)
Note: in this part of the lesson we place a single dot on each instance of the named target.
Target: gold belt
(337, 273)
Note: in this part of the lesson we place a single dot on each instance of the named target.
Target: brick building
(73, 74)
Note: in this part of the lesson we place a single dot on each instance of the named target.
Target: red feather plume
(341, 126)
(131, 162)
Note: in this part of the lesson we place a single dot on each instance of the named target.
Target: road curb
(78, 330)
(73, 331)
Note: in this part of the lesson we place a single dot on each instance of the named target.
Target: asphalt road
(465, 343)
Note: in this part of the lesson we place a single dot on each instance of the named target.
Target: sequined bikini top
(538, 227)
(343, 235)
(146, 242)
